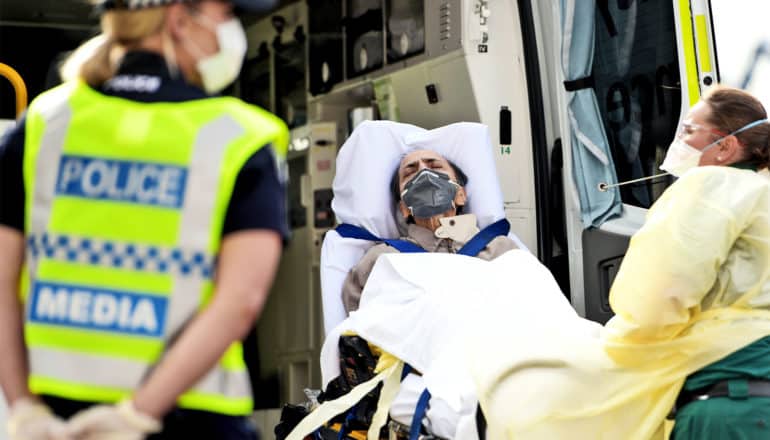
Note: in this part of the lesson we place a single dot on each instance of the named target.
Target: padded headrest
(370, 156)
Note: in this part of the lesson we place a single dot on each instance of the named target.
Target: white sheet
(422, 307)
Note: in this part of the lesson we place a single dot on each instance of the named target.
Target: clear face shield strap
(748, 126)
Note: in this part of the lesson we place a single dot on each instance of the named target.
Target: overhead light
(300, 144)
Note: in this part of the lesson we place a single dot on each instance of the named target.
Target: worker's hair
(96, 60)
(395, 186)
(732, 109)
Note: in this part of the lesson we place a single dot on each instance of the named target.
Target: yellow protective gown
(694, 287)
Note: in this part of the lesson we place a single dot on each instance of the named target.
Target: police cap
(247, 5)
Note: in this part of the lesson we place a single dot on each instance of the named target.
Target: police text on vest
(124, 181)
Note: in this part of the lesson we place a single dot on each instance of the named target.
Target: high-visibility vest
(125, 203)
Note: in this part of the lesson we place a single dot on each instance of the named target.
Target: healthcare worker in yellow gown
(692, 305)
(712, 226)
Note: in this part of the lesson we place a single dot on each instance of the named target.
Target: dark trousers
(178, 424)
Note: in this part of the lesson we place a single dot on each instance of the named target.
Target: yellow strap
(355, 435)
(387, 394)
(329, 409)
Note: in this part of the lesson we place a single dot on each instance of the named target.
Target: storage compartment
(364, 29)
(291, 103)
(405, 20)
(325, 49)
(255, 79)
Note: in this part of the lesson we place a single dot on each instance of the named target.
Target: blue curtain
(591, 158)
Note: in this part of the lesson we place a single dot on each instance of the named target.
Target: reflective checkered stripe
(124, 212)
(120, 255)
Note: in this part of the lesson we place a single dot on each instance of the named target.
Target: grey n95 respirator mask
(429, 193)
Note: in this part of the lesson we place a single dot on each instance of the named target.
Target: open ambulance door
(632, 69)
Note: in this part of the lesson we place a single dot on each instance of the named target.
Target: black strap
(754, 388)
(405, 371)
(481, 423)
(580, 83)
(604, 8)
(750, 388)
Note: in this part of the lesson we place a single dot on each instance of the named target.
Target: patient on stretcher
(401, 193)
(429, 192)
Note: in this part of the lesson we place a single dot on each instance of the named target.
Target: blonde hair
(95, 61)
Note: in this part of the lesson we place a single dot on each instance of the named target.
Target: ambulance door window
(636, 73)
(742, 39)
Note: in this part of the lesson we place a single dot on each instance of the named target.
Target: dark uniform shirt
(258, 200)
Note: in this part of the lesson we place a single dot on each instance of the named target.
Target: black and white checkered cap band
(107, 5)
(246, 5)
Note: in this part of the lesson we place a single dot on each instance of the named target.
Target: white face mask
(222, 68)
(682, 157)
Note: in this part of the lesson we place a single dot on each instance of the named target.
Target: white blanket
(422, 308)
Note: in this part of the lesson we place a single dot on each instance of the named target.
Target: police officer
(141, 223)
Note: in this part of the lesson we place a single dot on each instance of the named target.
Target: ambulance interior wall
(34, 52)
(290, 332)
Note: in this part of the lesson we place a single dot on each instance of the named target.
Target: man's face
(410, 165)
(417, 160)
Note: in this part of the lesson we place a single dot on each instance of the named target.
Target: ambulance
(582, 99)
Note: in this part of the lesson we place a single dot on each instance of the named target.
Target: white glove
(112, 422)
(29, 419)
